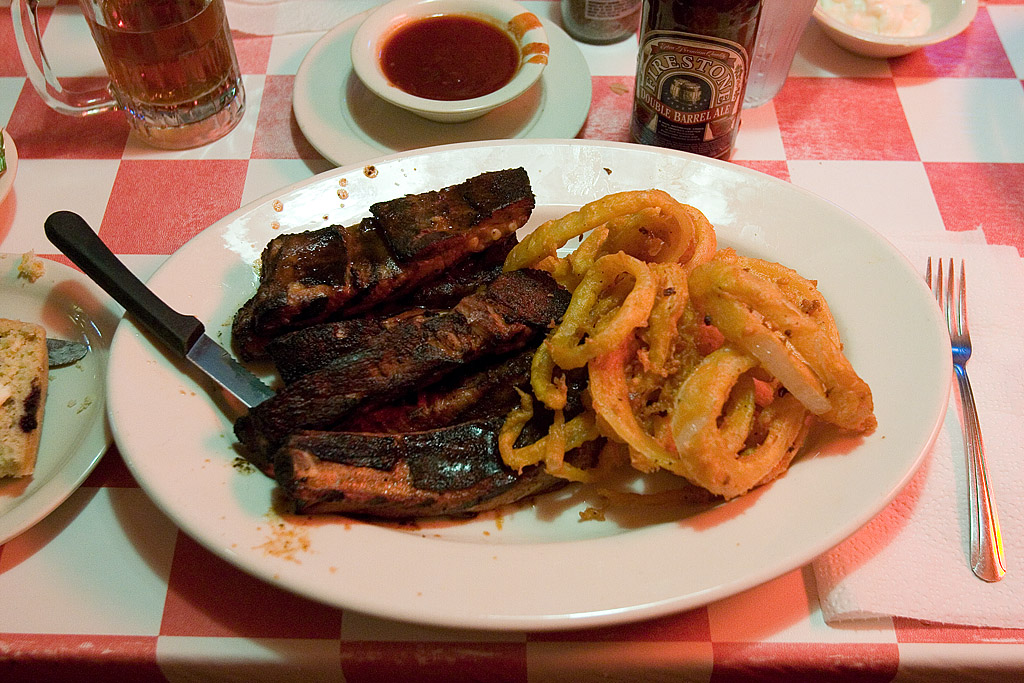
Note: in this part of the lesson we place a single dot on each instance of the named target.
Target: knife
(183, 335)
(61, 352)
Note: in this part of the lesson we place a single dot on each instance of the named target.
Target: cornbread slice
(23, 384)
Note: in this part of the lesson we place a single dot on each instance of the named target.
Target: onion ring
(609, 394)
(713, 456)
(565, 342)
(688, 349)
(689, 234)
(570, 435)
(755, 314)
(552, 392)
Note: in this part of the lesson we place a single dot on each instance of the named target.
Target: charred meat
(462, 279)
(402, 344)
(448, 471)
(464, 217)
(340, 271)
(466, 475)
(513, 312)
(441, 459)
(477, 392)
(310, 348)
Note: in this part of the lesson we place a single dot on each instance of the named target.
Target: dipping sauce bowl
(450, 60)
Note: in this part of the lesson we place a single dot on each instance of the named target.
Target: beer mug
(171, 64)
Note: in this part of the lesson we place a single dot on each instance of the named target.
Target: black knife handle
(72, 235)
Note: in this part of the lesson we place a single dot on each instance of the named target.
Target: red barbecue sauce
(449, 57)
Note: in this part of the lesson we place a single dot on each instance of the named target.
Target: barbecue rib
(402, 345)
(512, 312)
(310, 348)
(338, 271)
(441, 456)
(475, 393)
(447, 471)
(462, 279)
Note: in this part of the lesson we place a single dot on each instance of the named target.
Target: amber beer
(172, 67)
(692, 73)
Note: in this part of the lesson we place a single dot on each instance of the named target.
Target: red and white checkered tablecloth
(107, 588)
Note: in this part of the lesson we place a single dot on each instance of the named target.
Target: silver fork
(986, 540)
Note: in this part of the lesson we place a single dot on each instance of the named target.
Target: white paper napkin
(912, 560)
(278, 17)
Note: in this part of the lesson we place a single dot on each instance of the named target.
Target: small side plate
(75, 431)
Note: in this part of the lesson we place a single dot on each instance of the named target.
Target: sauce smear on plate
(449, 57)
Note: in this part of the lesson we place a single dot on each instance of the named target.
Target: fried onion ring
(713, 414)
(579, 337)
(701, 362)
(670, 301)
(609, 392)
(550, 449)
(685, 232)
(755, 313)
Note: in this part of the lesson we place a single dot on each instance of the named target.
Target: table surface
(107, 588)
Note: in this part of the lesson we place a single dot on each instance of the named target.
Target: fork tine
(940, 292)
(951, 302)
(934, 281)
(962, 327)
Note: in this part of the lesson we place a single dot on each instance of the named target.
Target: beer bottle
(692, 72)
(600, 21)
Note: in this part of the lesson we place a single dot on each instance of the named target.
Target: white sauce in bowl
(884, 17)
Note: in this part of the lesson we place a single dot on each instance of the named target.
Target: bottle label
(691, 87)
(604, 10)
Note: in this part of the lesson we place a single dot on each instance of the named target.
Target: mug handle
(30, 46)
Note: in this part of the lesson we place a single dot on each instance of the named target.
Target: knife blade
(61, 352)
(183, 335)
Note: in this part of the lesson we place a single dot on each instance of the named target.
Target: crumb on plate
(31, 268)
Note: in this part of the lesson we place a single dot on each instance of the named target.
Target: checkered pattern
(106, 588)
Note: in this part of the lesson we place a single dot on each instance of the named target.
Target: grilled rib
(442, 459)
(339, 271)
(512, 313)
(477, 392)
(449, 471)
(310, 348)
(470, 215)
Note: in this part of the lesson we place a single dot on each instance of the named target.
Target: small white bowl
(949, 17)
(521, 25)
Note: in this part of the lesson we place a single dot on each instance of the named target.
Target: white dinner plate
(538, 566)
(347, 123)
(75, 432)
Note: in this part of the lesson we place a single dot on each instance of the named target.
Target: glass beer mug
(171, 63)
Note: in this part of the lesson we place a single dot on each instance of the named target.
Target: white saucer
(346, 123)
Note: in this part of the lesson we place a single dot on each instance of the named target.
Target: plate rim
(533, 622)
